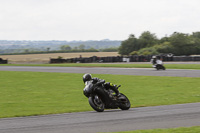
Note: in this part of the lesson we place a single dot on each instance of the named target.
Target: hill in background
(17, 46)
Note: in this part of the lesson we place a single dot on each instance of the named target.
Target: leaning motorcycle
(101, 98)
(159, 65)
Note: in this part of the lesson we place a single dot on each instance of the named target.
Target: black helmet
(87, 77)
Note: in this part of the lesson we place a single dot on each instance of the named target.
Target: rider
(97, 81)
(154, 60)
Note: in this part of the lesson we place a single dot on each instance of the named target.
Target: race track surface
(170, 116)
(106, 70)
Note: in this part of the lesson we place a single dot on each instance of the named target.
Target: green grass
(168, 66)
(37, 93)
(195, 129)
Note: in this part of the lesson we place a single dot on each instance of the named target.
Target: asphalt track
(106, 70)
(168, 116)
(171, 116)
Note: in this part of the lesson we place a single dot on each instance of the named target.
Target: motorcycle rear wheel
(124, 103)
(96, 103)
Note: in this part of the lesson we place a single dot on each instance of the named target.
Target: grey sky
(95, 19)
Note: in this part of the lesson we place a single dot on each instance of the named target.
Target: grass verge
(37, 93)
(168, 66)
(195, 129)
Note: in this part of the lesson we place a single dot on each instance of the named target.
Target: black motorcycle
(159, 66)
(101, 98)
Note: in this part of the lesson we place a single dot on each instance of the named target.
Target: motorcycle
(159, 65)
(101, 98)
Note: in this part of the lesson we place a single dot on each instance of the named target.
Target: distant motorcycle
(159, 65)
(101, 98)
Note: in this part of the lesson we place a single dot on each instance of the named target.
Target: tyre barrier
(133, 58)
(3, 61)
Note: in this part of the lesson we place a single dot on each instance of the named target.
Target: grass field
(195, 129)
(44, 58)
(37, 93)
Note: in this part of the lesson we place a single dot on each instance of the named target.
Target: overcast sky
(95, 19)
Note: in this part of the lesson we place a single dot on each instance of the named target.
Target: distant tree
(147, 39)
(182, 43)
(128, 45)
(91, 50)
(164, 39)
(60, 57)
(148, 51)
(75, 48)
(165, 47)
(26, 51)
(134, 53)
(179, 39)
(196, 34)
(81, 47)
(48, 49)
(196, 39)
(65, 48)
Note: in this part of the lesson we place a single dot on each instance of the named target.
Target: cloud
(95, 19)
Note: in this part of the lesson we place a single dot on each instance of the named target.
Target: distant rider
(154, 61)
(97, 81)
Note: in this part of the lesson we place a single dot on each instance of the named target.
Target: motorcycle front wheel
(96, 103)
(163, 68)
(124, 103)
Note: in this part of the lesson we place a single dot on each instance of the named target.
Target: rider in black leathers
(97, 81)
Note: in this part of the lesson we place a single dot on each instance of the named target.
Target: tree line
(82, 48)
(149, 44)
(34, 47)
(63, 49)
(146, 44)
